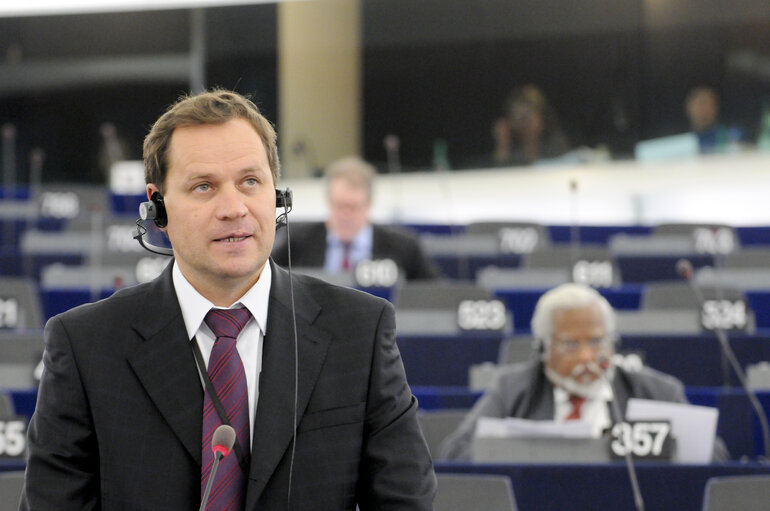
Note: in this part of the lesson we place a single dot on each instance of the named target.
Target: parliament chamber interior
(677, 239)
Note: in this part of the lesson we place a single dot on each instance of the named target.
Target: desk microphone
(574, 227)
(685, 271)
(605, 364)
(392, 146)
(222, 444)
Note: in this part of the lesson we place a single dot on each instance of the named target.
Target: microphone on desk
(222, 442)
(574, 228)
(685, 271)
(605, 363)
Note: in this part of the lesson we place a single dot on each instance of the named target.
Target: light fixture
(17, 8)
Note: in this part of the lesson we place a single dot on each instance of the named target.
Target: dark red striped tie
(229, 380)
(577, 404)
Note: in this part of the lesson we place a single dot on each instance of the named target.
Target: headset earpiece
(283, 198)
(154, 209)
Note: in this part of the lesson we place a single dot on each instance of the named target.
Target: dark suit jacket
(308, 249)
(523, 391)
(118, 418)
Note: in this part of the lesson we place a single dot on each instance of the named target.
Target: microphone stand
(205, 500)
(221, 444)
(638, 500)
(684, 268)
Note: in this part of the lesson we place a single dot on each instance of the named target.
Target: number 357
(641, 439)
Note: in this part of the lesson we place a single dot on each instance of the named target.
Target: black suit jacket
(308, 249)
(118, 418)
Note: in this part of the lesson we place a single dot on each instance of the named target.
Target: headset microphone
(283, 200)
(283, 219)
(141, 232)
(154, 209)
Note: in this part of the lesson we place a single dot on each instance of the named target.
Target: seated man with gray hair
(574, 328)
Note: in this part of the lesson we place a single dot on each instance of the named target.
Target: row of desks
(738, 426)
(695, 359)
(520, 302)
(664, 487)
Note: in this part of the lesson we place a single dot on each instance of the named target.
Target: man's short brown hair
(212, 107)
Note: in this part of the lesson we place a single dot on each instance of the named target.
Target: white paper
(509, 427)
(693, 427)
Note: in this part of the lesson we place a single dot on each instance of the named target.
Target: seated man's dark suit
(118, 418)
(523, 391)
(308, 249)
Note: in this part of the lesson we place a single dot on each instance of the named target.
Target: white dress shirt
(594, 410)
(249, 343)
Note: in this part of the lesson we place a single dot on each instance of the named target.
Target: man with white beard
(574, 328)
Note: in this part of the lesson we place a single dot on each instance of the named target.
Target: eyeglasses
(573, 347)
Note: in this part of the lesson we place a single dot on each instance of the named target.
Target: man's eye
(251, 182)
(203, 187)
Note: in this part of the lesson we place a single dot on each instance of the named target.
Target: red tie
(229, 380)
(577, 403)
(346, 256)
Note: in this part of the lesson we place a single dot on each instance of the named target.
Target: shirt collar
(195, 306)
(364, 238)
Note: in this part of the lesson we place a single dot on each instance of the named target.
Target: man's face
(348, 209)
(220, 200)
(579, 345)
(526, 120)
(703, 110)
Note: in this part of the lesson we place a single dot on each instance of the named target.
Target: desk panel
(697, 359)
(664, 487)
(441, 360)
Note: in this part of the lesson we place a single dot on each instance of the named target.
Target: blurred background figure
(575, 330)
(528, 130)
(702, 108)
(348, 235)
(112, 148)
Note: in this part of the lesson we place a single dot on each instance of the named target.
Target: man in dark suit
(574, 327)
(348, 235)
(123, 421)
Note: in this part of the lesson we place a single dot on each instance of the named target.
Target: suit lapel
(542, 406)
(165, 365)
(274, 421)
(621, 391)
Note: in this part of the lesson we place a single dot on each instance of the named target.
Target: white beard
(588, 390)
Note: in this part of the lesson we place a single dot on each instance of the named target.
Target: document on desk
(693, 427)
(510, 427)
